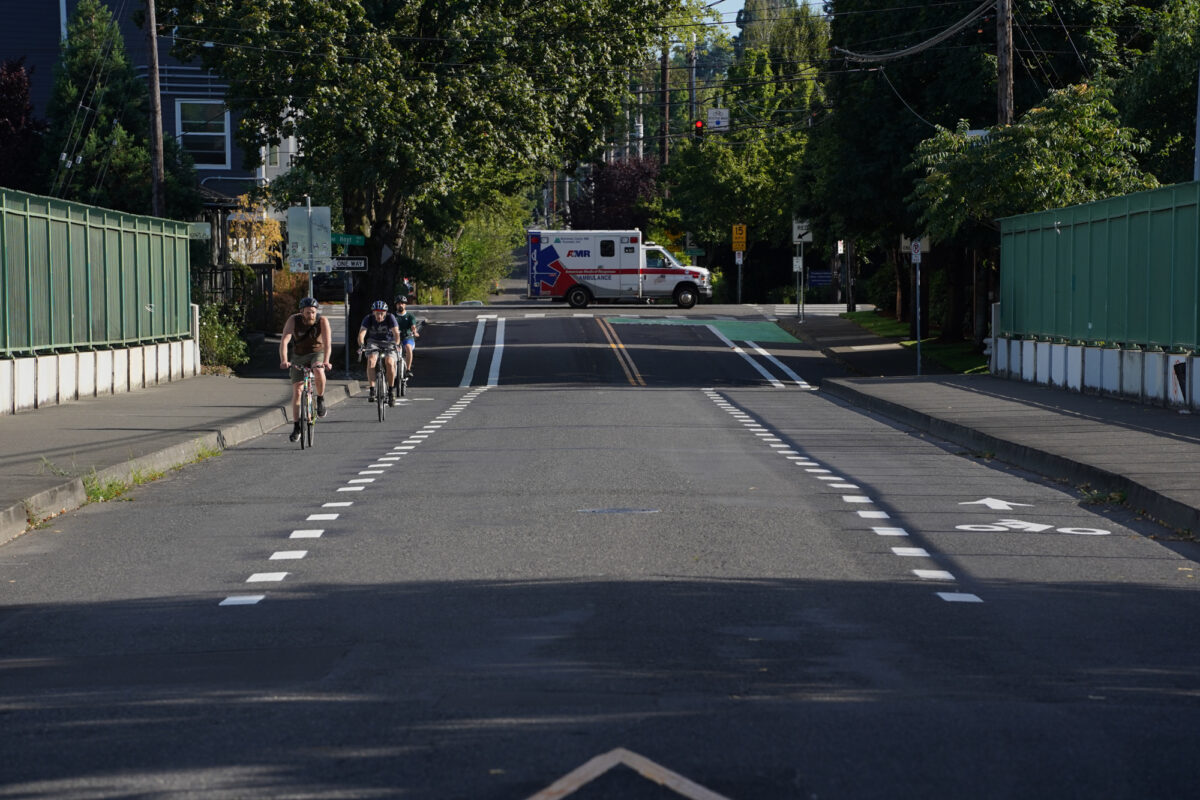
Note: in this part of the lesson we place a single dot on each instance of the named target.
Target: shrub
(221, 343)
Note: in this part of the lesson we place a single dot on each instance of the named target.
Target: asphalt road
(598, 535)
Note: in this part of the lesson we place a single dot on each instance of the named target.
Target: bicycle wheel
(303, 419)
(401, 377)
(381, 392)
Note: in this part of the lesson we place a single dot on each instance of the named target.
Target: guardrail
(78, 277)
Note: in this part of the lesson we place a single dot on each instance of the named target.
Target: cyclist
(407, 324)
(380, 327)
(313, 340)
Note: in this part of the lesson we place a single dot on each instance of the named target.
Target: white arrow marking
(656, 773)
(997, 505)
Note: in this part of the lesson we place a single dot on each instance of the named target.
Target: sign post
(739, 247)
(801, 233)
(916, 260)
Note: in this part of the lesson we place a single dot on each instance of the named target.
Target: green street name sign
(694, 251)
(347, 238)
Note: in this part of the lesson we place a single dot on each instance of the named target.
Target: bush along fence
(1105, 297)
(92, 301)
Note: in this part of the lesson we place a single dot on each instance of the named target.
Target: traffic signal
(698, 129)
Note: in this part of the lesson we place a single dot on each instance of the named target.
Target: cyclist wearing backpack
(407, 326)
(312, 339)
(380, 327)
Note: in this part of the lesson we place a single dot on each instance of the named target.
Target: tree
(421, 110)
(1157, 95)
(617, 195)
(20, 133)
(1070, 150)
(97, 149)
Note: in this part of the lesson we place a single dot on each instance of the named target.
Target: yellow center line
(623, 358)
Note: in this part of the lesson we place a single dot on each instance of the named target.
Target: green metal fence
(1121, 271)
(74, 276)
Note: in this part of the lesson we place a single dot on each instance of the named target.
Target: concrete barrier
(85, 382)
(1074, 368)
(38, 381)
(1093, 369)
(1153, 377)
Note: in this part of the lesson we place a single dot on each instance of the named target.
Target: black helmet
(379, 305)
(402, 299)
(309, 302)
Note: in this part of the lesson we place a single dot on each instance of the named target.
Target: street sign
(739, 237)
(797, 263)
(347, 238)
(300, 256)
(718, 120)
(801, 231)
(739, 258)
(916, 251)
(346, 263)
(199, 231)
(694, 251)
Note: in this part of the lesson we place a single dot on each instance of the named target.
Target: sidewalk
(1147, 452)
(46, 454)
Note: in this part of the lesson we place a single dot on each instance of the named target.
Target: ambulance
(609, 266)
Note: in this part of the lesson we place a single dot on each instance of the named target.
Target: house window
(273, 155)
(203, 127)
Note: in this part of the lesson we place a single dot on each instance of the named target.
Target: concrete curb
(71, 494)
(1050, 465)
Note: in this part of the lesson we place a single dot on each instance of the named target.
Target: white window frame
(181, 135)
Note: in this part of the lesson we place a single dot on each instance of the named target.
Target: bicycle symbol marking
(1031, 527)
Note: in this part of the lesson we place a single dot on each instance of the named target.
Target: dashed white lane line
(355, 485)
(960, 597)
(834, 481)
(933, 574)
(266, 577)
(307, 533)
(242, 600)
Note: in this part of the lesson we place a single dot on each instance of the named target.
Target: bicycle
(401, 382)
(308, 406)
(385, 350)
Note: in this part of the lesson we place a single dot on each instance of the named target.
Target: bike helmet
(309, 302)
(401, 299)
(379, 305)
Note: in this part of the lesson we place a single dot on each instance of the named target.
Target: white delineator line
(803, 384)
(833, 481)
(771, 379)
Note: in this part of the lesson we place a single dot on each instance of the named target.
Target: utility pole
(664, 153)
(1004, 62)
(692, 81)
(1196, 165)
(157, 203)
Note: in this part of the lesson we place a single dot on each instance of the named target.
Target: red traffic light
(698, 128)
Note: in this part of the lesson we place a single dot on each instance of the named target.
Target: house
(193, 99)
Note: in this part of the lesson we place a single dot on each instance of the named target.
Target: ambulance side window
(654, 259)
(608, 248)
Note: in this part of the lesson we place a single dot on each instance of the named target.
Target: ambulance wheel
(685, 296)
(578, 297)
